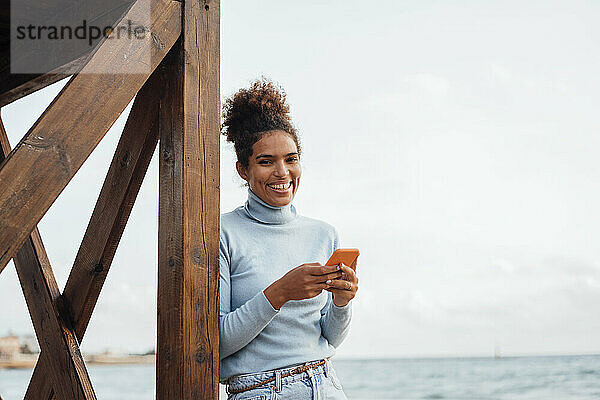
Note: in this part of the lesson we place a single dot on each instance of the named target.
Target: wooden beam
(56, 336)
(53, 329)
(122, 184)
(105, 228)
(15, 86)
(188, 248)
(4, 142)
(43, 163)
(73, 58)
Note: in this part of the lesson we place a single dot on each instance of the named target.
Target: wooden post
(188, 237)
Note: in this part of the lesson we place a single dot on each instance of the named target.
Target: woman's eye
(264, 162)
(292, 159)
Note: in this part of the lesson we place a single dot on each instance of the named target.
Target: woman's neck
(259, 210)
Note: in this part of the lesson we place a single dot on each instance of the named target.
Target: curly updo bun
(252, 112)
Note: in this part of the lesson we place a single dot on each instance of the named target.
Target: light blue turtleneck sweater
(259, 244)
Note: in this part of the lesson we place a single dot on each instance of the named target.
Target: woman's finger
(331, 276)
(340, 284)
(318, 269)
(349, 273)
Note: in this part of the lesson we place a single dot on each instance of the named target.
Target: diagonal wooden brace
(52, 325)
(113, 207)
(46, 159)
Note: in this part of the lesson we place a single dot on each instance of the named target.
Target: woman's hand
(303, 282)
(344, 289)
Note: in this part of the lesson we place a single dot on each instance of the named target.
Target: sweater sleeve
(238, 328)
(335, 321)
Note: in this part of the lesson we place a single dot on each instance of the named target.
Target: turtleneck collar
(260, 211)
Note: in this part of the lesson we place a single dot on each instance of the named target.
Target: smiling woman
(283, 312)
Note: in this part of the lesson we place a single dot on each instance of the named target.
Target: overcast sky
(455, 145)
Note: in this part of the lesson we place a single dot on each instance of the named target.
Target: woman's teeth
(282, 186)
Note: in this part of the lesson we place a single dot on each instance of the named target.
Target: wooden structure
(176, 105)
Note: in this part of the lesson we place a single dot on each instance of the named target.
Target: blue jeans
(320, 383)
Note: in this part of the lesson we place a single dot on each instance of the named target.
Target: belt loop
(327, 367)
(313, 381)
(278, 381)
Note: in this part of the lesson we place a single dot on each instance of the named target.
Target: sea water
(508, 378)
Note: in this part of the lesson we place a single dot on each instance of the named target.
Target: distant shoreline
(27, 361)
(458, 357)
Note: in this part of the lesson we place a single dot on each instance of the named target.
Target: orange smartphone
(346, 256)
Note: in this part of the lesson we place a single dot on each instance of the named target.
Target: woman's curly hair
(252, 112)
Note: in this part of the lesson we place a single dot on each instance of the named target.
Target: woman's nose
(281, 169)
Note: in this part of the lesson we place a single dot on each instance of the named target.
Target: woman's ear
(241, 170)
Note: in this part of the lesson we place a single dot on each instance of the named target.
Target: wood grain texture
(188, 299)
(107, 223)
(52, 325)
(45, 160)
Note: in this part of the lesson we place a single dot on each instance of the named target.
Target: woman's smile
(280, 187)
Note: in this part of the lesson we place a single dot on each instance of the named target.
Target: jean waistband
(240, 382)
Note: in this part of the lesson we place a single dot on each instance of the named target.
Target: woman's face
(274, 168)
